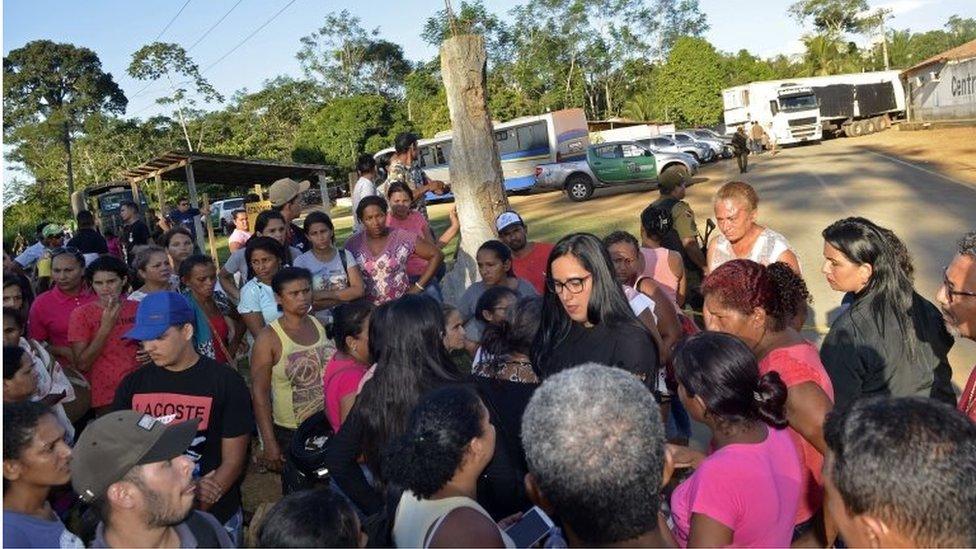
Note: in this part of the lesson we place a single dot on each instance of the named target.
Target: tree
(347, 59)
(825, 55)
(690, 82)
(50, 89)
(833, 17)
(961, 29)
(471, 18)
(170, 61)
(341, 130)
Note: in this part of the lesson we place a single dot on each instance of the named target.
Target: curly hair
(433, 447)
(967, 245)
(743, 285)
(738, 190)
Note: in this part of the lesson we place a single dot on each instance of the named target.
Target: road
(804, 189)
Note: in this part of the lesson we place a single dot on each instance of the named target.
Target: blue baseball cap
(157, 312)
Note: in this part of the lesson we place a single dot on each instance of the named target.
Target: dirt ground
(951, 151)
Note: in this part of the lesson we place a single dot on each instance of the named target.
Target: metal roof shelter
(219, 169)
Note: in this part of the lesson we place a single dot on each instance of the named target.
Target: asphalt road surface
(803, 189)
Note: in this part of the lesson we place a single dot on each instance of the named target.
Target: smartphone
(530, 529)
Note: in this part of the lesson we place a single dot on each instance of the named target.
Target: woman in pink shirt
(401, 216)
(755, 303)
(746, 491)
(50, 312)
(97, 330)
(344, 371)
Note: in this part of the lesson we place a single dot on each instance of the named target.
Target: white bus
(523, 144)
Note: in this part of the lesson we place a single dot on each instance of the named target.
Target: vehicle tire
(674, 174)
(579, 187)
(870, 125)
(856, 129)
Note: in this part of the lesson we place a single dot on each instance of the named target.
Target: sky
(115, 29)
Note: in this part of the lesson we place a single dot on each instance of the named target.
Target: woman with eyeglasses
(586, 316)
(51, 311)
(890, 340)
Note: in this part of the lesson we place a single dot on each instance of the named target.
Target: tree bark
(66, 141)
(475, 169)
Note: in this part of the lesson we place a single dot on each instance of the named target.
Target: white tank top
(417, 520)
(767, 249)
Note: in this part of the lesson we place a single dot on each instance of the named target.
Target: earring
(354, 347)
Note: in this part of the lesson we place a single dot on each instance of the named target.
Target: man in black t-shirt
(134, 231)
(86, 238)
(182, 385)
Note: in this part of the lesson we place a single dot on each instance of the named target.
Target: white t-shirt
(364, 187)
(30, 255)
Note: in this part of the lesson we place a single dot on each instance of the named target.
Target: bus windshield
(798, 102)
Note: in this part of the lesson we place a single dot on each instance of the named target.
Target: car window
(233, 204)
(683, 139)
(608, 151)
(662, 142)
(703, 134)
(632, 151)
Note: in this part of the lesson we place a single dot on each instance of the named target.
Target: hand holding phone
(530, 529)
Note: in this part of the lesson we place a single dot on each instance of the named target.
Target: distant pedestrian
(757, 135)
(134, 231)
(365, 185)
(88, 240)
(740, 147)
(184, 216)
(403, 169)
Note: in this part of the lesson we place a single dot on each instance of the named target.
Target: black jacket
(866, 356)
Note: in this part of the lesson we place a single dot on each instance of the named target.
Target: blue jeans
(679, 423)
(432, 289)
(235, 528)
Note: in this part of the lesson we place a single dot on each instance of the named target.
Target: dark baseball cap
(115, 443)
(157, 312)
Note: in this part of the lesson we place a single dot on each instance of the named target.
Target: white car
(221, 213)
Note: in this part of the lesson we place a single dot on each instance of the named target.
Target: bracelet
(419, 287)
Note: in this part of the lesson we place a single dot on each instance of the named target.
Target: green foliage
(689, 81)
(339, 132)
(348, 60)
(832, 17)
(49, 90)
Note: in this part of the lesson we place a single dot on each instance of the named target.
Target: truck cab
(104, 201)
(795, 115)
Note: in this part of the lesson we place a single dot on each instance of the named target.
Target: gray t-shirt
(473, 327)
(237, 263)
(329, 275)
(20, 530)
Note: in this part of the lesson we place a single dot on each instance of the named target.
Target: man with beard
(957, 300)
(529, 258)
(131, 467)
(181, 386)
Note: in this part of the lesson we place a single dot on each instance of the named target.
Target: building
(943, 87)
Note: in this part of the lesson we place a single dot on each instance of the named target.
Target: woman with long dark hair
(890, 340)
(746, 491)
(234, 273)
(407, 346)
(178, 243)
(265, 256)
(218, 328)
(586, 317)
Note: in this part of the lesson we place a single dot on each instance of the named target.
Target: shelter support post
(195, 203)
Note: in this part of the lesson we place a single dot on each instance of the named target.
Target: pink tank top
(657, 267)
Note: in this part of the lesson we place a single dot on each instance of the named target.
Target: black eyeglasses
(574, 285)
(948, 288)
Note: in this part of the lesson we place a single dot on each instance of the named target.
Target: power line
(248, 37)
(158, 36)
(212, 27)
(232, 50)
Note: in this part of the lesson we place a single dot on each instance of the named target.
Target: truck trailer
(849, 104)
(787, 111)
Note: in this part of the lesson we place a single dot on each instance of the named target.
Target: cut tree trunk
(476, 171)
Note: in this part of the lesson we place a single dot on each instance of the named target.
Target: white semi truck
(849, 104)
(788, 112)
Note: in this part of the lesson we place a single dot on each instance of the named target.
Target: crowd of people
(140, 387)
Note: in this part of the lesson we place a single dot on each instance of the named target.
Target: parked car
(715, 146)
(615, 163)
(709, 133)
(666, 144)
(221, 213)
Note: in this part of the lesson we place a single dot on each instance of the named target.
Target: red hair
(743, 285)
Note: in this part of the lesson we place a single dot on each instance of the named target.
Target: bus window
(427, 156)
(534, 138)
(442, 153)
(507, 143)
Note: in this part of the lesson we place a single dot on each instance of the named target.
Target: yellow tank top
(296, 379)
